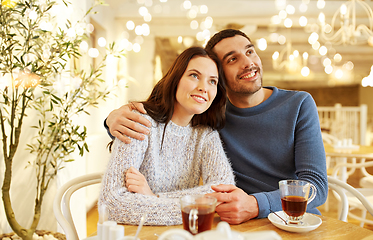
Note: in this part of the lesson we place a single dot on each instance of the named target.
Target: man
(270, 134)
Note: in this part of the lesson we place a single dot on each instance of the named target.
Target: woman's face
(196, 90)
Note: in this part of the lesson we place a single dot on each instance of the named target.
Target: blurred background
(324, 47)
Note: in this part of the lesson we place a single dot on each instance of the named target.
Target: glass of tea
(295, 195)
(198, 212)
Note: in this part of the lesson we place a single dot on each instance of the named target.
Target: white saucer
(311, 222)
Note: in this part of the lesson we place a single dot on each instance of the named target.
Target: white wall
(96, 159)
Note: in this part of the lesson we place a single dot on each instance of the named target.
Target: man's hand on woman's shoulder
(124, 123)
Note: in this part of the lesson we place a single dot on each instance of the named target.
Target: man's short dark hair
(226, 33)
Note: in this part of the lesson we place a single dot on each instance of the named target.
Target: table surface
(362, 152)
(329, 229)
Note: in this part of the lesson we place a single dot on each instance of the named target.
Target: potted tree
(38, 78)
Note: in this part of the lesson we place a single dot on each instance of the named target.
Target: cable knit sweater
(172, 171)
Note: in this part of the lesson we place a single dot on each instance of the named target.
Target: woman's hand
(235, 206)
(136, 182)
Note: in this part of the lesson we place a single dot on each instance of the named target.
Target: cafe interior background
(301, 43)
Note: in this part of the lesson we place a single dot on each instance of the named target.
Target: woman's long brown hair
(161, 102)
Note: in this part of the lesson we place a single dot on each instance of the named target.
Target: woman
(186, 107)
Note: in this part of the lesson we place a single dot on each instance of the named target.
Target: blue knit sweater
(278, 139)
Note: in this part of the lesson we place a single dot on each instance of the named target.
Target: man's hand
(136, 182)
(124, 123)
(234, 205)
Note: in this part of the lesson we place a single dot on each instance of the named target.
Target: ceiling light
(289, 59)
(351, 32)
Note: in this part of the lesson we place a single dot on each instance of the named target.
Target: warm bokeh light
(136, 47)
(203, 9)
(320, 4)
(275, 55)
(187, 4)
(327, 62)
(368, 81)
(305, 71)
(338, 74)
(27, 80)
(83, 46)
(194, 24)
(328, 69)
(323, 50)
(303, 7)
(337, 57)
(281, 39)
(313, 38)
(262, 44)
(143, 11)
(303, 21)
(9, 3)
(288, 23)
(93, 52)
(101, 42)
(290, 9)
(282, 14)
(130, 25)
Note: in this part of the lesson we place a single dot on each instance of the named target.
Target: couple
(269, 135)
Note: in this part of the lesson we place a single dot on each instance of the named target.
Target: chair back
(342, 188)
(61, 204)
(345, 121)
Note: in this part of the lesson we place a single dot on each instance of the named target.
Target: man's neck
(249, 100)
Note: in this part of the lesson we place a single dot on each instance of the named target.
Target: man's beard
(243, 90)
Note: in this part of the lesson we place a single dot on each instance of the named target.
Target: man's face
(241, 64)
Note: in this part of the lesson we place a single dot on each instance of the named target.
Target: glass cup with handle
(295, 195)
(198, 212)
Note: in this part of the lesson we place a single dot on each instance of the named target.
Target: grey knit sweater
(172, 171)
